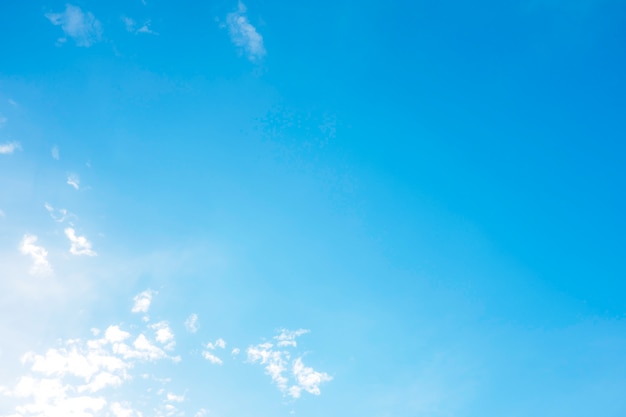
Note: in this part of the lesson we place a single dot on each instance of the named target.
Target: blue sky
(317, 208)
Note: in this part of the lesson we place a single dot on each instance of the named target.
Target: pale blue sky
(328, 208)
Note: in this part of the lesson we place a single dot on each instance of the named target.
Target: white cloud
(9, 147)
(219, 344)
(84, 28)
(307, 379)
(191, 324)
(73, 180)
(142, 301)
(276, 362)
(164, 334)
(39, 254)
(75, 378)
(211, 358)
(79, 245)
(235, 351)
(55, 152)
(244, 35)
(288, 338)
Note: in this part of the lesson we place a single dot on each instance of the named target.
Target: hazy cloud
(28, 246)
(244, 35)
(55, 153)
(9, 147)
(84, 28)
(191, 324)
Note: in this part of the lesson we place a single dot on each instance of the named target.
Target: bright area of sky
(312, 208)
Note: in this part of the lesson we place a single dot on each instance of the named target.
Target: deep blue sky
(433, 189)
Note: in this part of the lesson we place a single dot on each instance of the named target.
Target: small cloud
(74, 181)
(244, 35)
(212, 358)
(164, 334)
(288, 338)
(131, 26)
(55, 153)
(40, 266)
(191, 324)
(84, 28)
(142, 301)
(2, 215)
(235, 351)
(175, 398)
(12, 102)
(9, 147)
(79, 245)
(219, 343)
(3, 120)
(58, 215)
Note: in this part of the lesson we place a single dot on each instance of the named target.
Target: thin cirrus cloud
(82, 27)
(8, 148)
(74, 181)
(39, 255)
(244, 35)
(55, 153)
(79, 245)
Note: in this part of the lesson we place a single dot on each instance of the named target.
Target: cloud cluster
(75, 378)
(208, 355)
(244, 35)
(191, 324)
(84, 28)
(290, 376)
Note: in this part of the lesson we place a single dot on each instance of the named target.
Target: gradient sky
(330, 208)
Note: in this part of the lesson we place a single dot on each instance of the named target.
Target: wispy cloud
(244, 35)
(3, 120)
(55, 152)
(133, 27)
(79, 245)
(73, 180)
(9, 147)
(58, 215)
(278, 362)
(41, 266)
(142, 301)
(191, 324)
(84, 28)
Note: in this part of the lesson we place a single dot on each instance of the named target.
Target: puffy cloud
(74, 181)
(79, 245)
(244, 35)
(9, 147)
(84, 28)
(191, 324)
(219, 344)
(307, 379)
(142, 301)
(41, 266)
(164, 334)
(211, 358)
